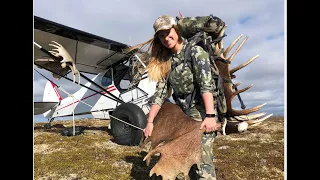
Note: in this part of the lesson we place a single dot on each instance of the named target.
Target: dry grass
(255, 154)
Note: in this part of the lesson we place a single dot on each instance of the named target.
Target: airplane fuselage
(86, 101)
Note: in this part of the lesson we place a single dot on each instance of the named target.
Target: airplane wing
(42, 107)
(92, 54)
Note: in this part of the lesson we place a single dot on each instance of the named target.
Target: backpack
(204, 31)
(189, 26)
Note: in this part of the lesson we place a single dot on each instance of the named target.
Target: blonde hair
(159, 62)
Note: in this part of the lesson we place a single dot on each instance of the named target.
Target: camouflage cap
(163, 22)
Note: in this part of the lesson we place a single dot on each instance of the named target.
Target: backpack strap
(193, 41)
(167, 82)
(196, 90)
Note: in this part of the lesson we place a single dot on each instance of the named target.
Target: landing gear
(123, 133)
(48, 125)
(50, 120)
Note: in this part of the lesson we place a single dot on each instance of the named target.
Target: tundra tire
(123, 133)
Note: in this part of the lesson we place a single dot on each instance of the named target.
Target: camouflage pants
(207, 168)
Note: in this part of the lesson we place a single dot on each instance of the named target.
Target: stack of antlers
(177, 137)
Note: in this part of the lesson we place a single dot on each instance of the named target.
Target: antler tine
(256, 122)
(238, 48)
(249, 117)
(242, 90)
(57, 43)
(78, 77)
(225, 53)
(243, 64)
(247, 111)
(233, 119)
(150, 153)
(238, 118)
(217, 50)
(72, 71)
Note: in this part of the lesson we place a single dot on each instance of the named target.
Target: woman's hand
(152, 113)
(210, 124)
(148, 130)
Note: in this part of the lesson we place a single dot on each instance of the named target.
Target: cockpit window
(120, 73)
(107, 78)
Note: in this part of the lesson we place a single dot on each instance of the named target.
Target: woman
(167, 54)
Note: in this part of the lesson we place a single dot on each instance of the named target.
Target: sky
(131, 22)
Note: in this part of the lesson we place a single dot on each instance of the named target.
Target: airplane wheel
(123, 133)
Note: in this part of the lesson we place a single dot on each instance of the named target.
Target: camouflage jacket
(182, 82)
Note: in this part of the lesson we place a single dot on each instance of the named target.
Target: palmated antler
(230, 89)
(175, 160)
(177, 138)
(66, 59)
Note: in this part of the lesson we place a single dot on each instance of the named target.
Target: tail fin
(51, 93)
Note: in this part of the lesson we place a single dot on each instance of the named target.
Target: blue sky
(130, 22)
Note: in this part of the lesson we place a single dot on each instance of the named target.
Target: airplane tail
(51, 93)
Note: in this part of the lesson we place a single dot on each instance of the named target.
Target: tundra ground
(256, 154)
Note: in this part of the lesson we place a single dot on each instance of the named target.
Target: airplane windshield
(120, 73)
(107, 78)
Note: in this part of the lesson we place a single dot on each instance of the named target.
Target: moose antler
(181, 139)
(66, 59)
(230, 89)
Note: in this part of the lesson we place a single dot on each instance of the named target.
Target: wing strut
(116, 99)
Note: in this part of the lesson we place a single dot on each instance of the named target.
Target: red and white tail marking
(51, 93)
(56, 90)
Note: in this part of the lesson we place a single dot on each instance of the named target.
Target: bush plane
(119, 87)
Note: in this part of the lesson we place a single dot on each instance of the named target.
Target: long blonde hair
(159, 63)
